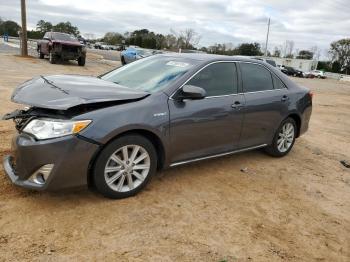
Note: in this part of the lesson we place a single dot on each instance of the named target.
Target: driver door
(209, 126)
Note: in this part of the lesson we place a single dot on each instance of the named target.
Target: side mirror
(192, 92)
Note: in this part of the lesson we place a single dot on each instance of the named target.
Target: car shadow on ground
(63, 62)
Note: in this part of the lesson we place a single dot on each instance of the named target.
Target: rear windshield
(271, 62)
(150, 74)
(63, 37)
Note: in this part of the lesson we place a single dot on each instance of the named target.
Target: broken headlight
(51, 128)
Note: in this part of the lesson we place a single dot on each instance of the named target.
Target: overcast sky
(307, 23)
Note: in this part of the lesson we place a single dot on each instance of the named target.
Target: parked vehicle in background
(115, 131)
(269, 61)
(100, 45)
(191, 51)
(115, 47)
(61, 46)
(132, 54)
(318, 74)
(288, 70)
(82, 40)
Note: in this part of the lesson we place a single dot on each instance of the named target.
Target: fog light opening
(41, 175)
(39, 179)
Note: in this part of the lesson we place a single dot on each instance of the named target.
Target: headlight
(51, 128)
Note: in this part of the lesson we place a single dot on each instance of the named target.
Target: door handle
(236, 105)
(284, 98)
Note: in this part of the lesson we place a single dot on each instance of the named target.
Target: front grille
(70, 49)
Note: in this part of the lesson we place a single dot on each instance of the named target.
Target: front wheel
(125, 166)
(284, 139)
(52, 58)
(81, 61)
(123, 60)
(41, 55)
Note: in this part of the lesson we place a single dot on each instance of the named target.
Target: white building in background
(300, 64)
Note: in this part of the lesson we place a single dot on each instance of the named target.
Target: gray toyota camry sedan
(113, 132)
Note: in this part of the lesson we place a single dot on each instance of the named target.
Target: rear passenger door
(266, 104)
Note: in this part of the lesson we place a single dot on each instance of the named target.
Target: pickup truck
(61, 46)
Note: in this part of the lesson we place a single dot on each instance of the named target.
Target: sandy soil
(296, 208)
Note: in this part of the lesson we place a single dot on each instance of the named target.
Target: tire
(81, 61)
(281, 146)
(41, 55)
(52, 58)
(122, 59)
(122, 169)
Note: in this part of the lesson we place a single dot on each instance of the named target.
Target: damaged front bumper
(51, 164)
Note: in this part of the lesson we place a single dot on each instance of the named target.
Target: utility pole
(267, 37)
(24, 46)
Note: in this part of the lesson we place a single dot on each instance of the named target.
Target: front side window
(47, 36)
(255, 78)
(217, 79)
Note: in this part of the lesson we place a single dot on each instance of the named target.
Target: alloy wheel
(127, 168)
(285, 137)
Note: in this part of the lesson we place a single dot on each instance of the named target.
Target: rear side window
(217, 79)
(278, 84)
(255, 78)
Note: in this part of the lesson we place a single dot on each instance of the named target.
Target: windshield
(150, 74)
(63, 37)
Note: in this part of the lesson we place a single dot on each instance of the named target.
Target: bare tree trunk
(24, 46)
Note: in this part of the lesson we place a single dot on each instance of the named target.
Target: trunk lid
(62, 92)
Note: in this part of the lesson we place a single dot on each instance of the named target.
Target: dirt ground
(292, 209)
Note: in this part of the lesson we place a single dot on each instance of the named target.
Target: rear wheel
(52, 58)
(41, 55)
(125, 166)
(284, 139)
(123, 60)
(81, 61)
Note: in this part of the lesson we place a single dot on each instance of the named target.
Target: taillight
(311, 95)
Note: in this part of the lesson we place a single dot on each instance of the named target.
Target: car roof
(212, 57)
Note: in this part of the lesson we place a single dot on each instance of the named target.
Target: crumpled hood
(62, 92)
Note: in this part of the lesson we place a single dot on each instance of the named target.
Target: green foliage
(305, 54)
(145, 38)
(329, 66)
(246, 49)
(276, 52)
(249, 49)
(340, 51)
(43, 26)
(9, 27)
(35, 34)
(113, 38)
(66, 27)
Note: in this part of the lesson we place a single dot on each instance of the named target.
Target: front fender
(149, 114)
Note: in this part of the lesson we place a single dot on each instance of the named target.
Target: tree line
(339, 51)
